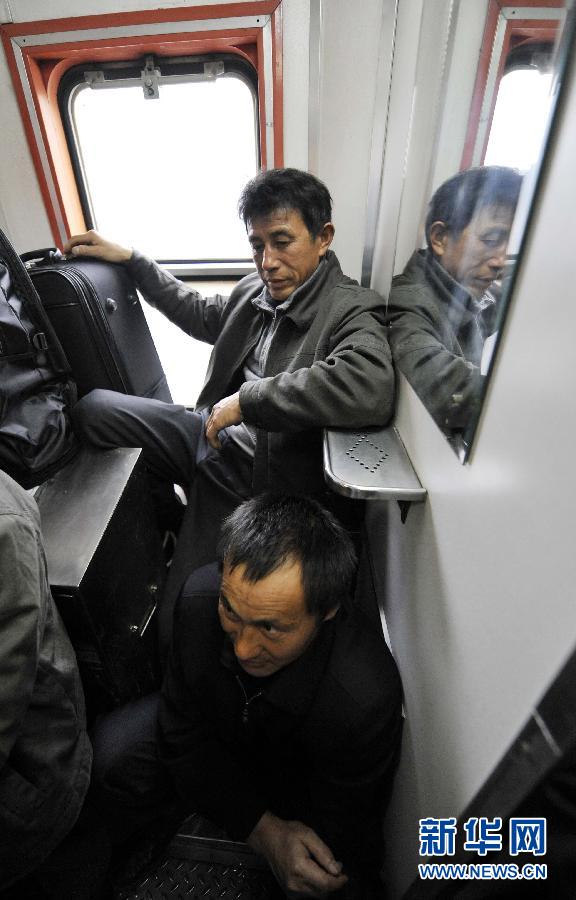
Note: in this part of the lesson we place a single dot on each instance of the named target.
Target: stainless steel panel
(371, 464)
(106, 570)
(76, 506)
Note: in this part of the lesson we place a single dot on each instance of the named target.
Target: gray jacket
(437, 335)
(45, 754)
(328, 364)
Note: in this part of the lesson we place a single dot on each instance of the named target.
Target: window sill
(208, 269)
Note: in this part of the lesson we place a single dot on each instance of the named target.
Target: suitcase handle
(45, 255)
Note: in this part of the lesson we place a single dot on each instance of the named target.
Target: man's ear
(331, 613)
(438, 232)
(325, 237)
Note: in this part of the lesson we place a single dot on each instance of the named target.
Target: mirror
(447, 307)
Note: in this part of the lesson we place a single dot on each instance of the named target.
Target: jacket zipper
(247, 700)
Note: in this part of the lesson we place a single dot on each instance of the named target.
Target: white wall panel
(461, 75)
(26, 221)
(295, 31)
(350, 51)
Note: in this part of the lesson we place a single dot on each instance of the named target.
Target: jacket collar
(265, 302)
(303, 305)
(461, 306)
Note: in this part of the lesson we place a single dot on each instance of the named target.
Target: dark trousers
(176, 452)
(130, 788)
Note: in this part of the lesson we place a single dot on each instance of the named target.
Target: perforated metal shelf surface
(371, 464)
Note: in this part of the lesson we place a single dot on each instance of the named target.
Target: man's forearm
(198, 316)
(353, 389)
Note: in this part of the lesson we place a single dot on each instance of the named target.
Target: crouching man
(280, 714)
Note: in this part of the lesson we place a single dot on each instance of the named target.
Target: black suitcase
(95, 311)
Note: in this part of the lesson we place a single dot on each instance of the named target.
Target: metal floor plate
(199, 862)
(183, 879)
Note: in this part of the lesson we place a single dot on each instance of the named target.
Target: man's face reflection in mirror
(468, 225)
(476, 256)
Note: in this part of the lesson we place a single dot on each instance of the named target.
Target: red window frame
(37, 66)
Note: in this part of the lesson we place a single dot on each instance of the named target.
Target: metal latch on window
(212, 70)
(149, 77)
(152, 76)
(94, 78)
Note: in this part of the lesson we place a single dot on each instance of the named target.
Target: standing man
(441, 310)
(280, 714)
(298, 346)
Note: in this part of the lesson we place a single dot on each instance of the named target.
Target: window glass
(165, 174)
(520, 119)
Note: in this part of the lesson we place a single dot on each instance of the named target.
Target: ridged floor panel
(181, 879)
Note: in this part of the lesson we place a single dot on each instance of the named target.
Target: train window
(161, 149)
(522, 107)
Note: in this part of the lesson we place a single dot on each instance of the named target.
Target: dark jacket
(319, 744)
(45, 755)
(329, 363)
(436, 335)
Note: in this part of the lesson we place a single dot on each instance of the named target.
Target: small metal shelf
(370, 464)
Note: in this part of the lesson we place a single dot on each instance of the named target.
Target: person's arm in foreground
(20, 623)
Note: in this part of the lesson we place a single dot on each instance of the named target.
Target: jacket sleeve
(198, 316)
(448, 384)
(21, 584)
(351, 786)
(204, 770)
(352, 386)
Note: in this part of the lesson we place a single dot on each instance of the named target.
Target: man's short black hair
(287, 189)
(459, 199)
(265, 532)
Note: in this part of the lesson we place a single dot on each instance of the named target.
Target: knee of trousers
(90, 413)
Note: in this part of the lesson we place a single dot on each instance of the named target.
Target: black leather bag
(36, 386)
